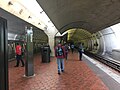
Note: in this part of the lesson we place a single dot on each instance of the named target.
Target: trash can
(46, 54)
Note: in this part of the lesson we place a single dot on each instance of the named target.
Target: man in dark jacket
(80, 50)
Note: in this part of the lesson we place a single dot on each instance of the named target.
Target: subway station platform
(77, 76)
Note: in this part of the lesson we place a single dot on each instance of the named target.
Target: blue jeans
(60, 63)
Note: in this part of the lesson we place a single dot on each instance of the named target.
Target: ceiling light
(20, 11)
(29, 17)
(41, 12)
(39, 24)
(10, 3)
(49, 21)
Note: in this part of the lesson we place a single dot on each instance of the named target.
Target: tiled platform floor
(77, 76)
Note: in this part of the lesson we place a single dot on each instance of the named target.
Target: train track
(111, 63)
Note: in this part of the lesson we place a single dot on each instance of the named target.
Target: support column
(51, 43)
(51, 40)
(3, 55)
(29, 67)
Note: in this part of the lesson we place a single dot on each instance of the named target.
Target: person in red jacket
(60, 55)
(18, 51)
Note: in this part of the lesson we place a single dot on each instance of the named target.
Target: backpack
(59, 51)
(81, 49)
(72, 46)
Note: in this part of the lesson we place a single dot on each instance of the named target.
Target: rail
(111, 63)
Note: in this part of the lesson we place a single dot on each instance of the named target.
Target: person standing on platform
(60, 55)
(80, 50)
(66, 51)
(72, 48)
(18, 51)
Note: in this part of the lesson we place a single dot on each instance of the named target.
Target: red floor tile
(77, 76)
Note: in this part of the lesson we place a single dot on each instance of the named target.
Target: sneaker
(15, 66)
(62, 70)
(59, 73)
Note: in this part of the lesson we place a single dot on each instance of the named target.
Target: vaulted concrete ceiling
(92, 15)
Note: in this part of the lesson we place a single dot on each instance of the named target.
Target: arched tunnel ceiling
(92, 15)
(77, 35)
